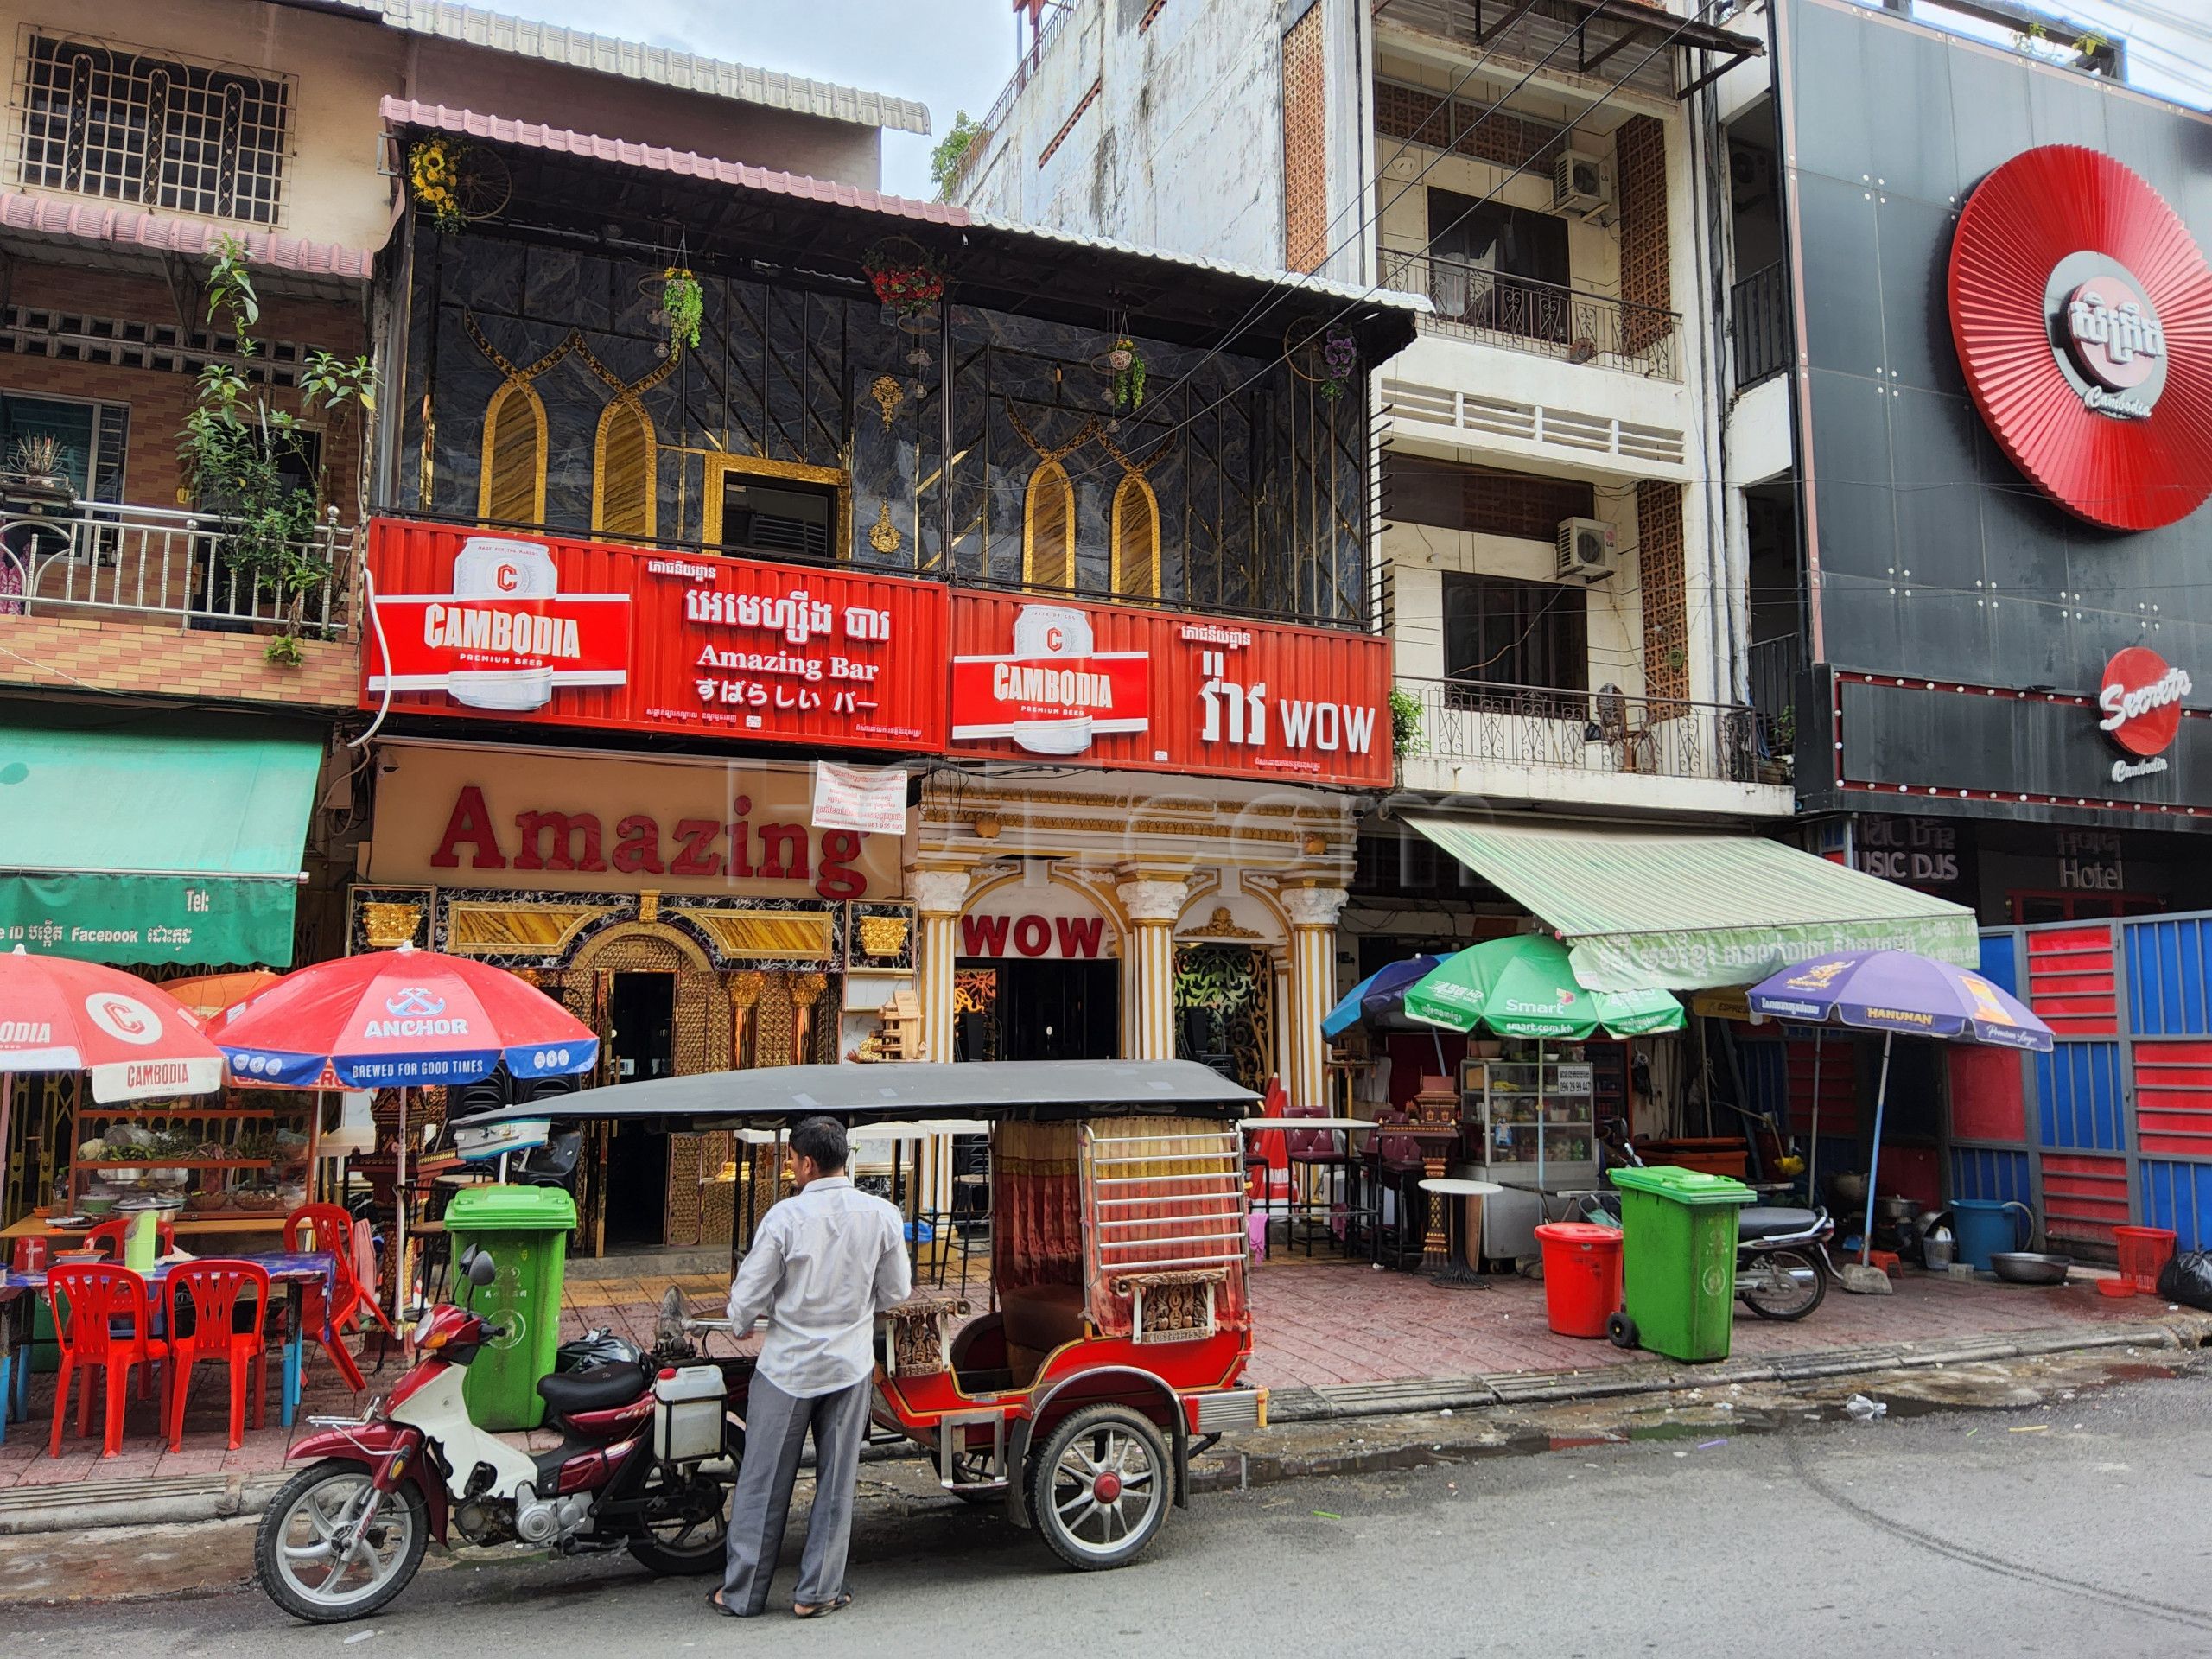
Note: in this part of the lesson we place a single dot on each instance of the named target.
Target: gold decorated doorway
(1225, 1009)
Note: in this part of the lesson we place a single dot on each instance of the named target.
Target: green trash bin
(526, 1230)
(1678, 1259)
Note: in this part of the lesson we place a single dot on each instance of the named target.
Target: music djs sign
(1110, 685)
(549, 631)
(2080, 306)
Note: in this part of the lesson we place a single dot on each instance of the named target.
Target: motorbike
(1783, 1266)
(649, 1447)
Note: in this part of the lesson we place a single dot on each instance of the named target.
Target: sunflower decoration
(434, 179)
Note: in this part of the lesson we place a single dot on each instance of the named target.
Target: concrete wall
(469, 77)
(1182, 147)
(339, 68)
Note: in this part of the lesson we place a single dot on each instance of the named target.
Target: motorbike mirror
(480, 1268)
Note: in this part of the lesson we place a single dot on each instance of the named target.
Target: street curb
(181, 1499)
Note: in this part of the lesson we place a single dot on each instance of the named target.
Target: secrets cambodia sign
(580, 633)
(1110, 685)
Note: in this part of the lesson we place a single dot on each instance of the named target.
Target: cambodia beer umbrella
(1523, 987)
(1893, 991)
(59, 1014)
(401, 1018)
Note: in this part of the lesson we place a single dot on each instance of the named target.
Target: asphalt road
(2075, 1528)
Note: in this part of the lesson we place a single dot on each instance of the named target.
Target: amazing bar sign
(581, 634)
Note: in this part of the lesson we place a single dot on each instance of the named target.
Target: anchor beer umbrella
(1893, 991)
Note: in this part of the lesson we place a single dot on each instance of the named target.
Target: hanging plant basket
(683, 306)
(904, 278)
(1124, 369)
(434, 182)
(1339, 362)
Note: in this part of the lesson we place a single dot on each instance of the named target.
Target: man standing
(823, 1263)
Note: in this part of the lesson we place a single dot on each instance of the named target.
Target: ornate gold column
(1312, 912)
(1152, 903)
(938, 895)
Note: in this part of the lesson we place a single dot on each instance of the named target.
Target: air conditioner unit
(1586, 551)
(1582, 184)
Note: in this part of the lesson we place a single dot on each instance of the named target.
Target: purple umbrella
(1890, 991)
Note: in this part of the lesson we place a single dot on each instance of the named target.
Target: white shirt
(823, 1263)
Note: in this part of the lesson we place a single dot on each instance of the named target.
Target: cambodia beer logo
(506, 636)
(2139, 702)
(2065, 270)
(1057, 691)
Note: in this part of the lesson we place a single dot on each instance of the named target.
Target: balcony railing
(156, 564)
(1605, 733)
(1758, 324)
(1546, 318)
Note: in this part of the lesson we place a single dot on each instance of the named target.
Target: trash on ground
(1861, 1410)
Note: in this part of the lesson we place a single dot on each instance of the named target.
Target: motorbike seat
(600, 1388)
(1770, 1221)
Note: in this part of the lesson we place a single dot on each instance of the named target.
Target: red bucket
(2143, 1252)
(1582, 1276)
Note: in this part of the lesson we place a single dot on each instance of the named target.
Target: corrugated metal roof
(656, 65)
(1322, 286)
(537, 136)
(51, 216)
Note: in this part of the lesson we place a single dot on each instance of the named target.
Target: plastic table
(294, 1269)
(1453, 1269)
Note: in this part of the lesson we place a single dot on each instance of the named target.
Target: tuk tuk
(1112, 1341)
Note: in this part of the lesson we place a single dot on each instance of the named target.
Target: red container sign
(1107, 685)
(562, 632)
(2140, 700)
(2078, 298)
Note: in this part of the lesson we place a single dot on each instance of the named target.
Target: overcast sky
(949, 54)
(953, 55)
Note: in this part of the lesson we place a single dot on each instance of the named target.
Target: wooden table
(20, 1289)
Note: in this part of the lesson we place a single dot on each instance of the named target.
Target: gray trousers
(776, 1426)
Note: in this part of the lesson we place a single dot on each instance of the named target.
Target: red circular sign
(2140, 700)
(2082, 313)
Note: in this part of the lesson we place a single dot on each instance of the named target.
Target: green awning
(1683, 912)
(138, 840)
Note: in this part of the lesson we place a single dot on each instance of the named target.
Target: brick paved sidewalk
(1318, 1323)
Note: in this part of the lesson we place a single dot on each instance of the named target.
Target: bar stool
(1313, 1152)
(1398, 1168)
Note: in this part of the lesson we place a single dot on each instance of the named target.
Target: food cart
(1113, 1341)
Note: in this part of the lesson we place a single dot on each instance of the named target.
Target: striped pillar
(1312, 912)
(938, 895)
(1152, 903)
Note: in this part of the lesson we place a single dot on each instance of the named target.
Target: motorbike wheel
(693, 1536)
(1620, 1331)
(1779, 1290)
(1101, 1487)
(295, 1549)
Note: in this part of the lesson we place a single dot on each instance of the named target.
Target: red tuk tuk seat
(1038, 1318)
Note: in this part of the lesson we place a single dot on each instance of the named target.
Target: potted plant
(904, 279)
(1126, 365)
(1405, 722)
(1339, 360)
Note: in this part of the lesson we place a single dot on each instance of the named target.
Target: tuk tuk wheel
(1101, 1486)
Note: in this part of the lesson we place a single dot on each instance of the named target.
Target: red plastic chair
(101, 1319)
(328, 1317)
(221, 1327)
(108, 1237)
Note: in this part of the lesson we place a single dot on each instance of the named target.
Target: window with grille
(104, 121)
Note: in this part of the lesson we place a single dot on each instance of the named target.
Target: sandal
(715, 1601)
(824, 1609)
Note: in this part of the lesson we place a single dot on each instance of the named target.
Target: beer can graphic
(1045, 632)
(495, 567)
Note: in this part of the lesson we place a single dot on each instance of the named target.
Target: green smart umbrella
(1523, 987)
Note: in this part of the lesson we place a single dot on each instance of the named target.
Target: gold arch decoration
(1048, 529)
(624, 497)
(1136, 565)
(511, 480)
(1048, 509)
